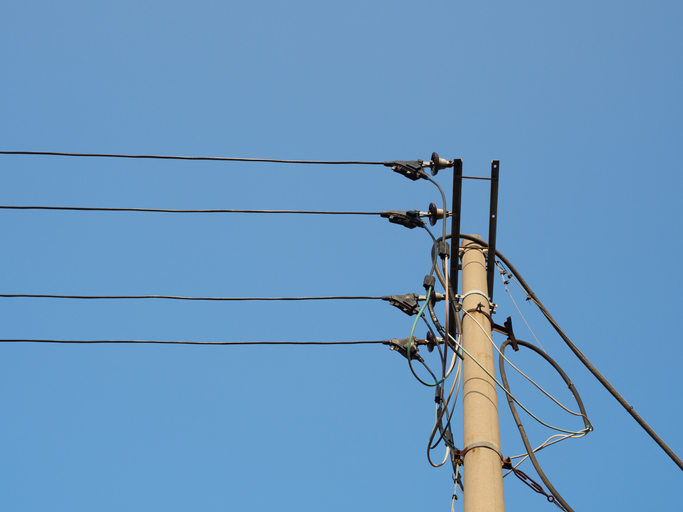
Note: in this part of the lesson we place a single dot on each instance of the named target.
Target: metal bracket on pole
(493, 220)
(456, 208)
(506, 329)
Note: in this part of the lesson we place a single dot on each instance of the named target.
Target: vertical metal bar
(493, 221)
(456, 207)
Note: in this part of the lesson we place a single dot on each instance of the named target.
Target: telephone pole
(483, 476)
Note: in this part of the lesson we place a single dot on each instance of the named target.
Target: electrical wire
(518, 370)
(410, 340)
(517, 401)
(204, 158)
(439, 417)
(518, 421)
(179, 297)
(182, 342)
(548, 442)
(505, 284)
(168, 210)
(586, 362)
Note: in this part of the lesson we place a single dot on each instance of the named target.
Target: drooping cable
(518, 421)
(201, 158)
(586, 362)
(511, 396)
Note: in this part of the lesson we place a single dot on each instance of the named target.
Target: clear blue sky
(581, 103)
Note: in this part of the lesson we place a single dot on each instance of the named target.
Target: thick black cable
(606, 384)
(181, 342)
(203, 158)
(167, 210)
(518, 421)
(179, 297)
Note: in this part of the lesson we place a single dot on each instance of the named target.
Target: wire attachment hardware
(411, 169)
(410, 219)
(406, 303)
(401, 346)
(506, 329)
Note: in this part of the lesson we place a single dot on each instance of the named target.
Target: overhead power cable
(180, 297)
(167, 210)
(182, 342)
(397, 164)
(203, 158)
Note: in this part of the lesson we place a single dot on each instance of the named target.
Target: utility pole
(483, 475)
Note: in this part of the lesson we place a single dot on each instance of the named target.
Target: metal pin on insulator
(438, 163)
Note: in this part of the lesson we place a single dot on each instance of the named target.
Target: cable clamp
(410, 218)
(475, 292)
(481, 444)
(401, 346)
(492, 305)
(406, 303)
(410, 169)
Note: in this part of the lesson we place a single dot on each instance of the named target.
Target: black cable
(172, 342)
(443, 236)
(178, 297)
(166, 210)
(606, 384)
(513, 409)
(210, 158)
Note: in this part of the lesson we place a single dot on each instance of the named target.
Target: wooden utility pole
(483, 476)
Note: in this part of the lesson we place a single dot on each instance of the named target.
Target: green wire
(410, 340)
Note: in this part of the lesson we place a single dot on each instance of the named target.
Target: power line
(167, 210)
(213, 158)
(205, 158)
(182, 342)
(180, 297)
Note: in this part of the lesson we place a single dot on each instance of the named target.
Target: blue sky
(581, 105)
